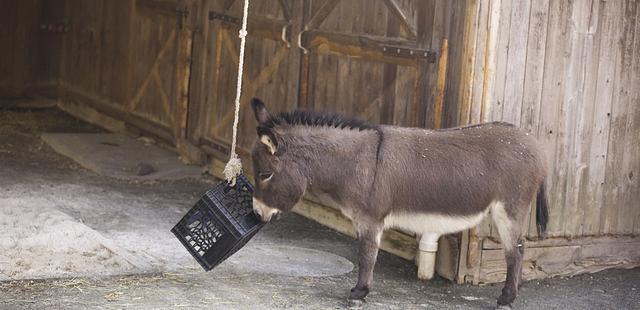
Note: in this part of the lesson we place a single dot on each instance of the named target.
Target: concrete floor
(148, 269)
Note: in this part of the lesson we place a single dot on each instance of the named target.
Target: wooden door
(161, 36)
(271, 69)
(366, 58)
(369, 58)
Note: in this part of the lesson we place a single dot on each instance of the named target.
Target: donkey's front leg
(369, 238)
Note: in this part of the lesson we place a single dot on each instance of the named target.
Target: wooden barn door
(161, 37)
(369, 58)
(271, 69)
(366, 58)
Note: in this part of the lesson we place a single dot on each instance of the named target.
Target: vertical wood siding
(568, 72)
(19, 34)
(342, 67)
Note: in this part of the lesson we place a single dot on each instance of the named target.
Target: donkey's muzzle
(264, 212)
(257, 212)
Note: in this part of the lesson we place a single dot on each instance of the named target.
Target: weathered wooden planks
(592, 255)
(608, 57)
(617, 216)
(534, 72)
(564, 72)
(29, 58)
(575, 77)
(633, 135)
(516, 60)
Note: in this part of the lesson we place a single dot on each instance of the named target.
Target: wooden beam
(393, 241)
(91, 115)
(229, 45)
(489, 244)
(252, 87)
(164, 98)
(220, 148)
(286, 9)
(404, 20)
(469, 39)
(425, 81)
(70, 93)
(321, 14)
(190, 153)
(489, 67)
(148, 126)
(199, 70)
(440, 84)
(380, 49)
(259, 27)
(183, 76)
(143, 87)
(574, 257)
(153, 7)
(32, 102)
(228, 4)
(448, 256)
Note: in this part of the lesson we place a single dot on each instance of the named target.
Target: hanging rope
(234, 165)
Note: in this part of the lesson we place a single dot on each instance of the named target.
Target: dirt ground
(143, 267)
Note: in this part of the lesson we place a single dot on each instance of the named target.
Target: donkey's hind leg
(510, 230)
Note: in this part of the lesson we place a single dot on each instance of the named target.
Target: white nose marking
(265, 212)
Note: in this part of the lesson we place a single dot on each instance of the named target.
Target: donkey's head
(280, 184)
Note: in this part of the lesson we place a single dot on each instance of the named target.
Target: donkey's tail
(542, 210)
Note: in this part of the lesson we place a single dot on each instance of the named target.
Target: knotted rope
(234, 165)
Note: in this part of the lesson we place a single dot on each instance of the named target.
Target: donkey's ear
(266, 140)
(259, 109)
(271, 140)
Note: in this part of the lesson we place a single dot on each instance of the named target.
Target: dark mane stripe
(311, 118)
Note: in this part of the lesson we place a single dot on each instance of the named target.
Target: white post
(428, 247)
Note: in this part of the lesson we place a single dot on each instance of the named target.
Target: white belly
(432, 223)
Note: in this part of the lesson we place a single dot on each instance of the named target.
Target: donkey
(420, 180)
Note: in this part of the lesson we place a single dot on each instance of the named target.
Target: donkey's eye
(265, 176)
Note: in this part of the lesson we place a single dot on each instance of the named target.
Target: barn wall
(19, 33)
(567, 72)
(95, 52)
(344, 69)
(124, 64)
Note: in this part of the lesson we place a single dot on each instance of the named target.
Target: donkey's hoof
(355, 304)
(359, 292)
(503, 307)
(507, 297)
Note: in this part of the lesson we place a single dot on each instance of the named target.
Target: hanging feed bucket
(220, 223)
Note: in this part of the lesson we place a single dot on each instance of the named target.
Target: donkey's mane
(318, 119)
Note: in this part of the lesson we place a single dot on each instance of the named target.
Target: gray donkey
(424, 181)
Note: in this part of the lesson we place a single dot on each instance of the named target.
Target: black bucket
(220, 223)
